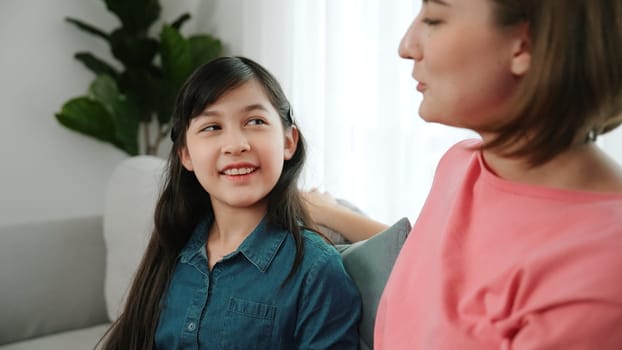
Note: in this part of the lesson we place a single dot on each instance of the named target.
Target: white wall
(48, 171)
(234, 20)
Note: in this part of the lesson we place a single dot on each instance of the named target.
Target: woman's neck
(583, 167)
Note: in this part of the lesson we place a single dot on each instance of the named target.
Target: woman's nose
(410, 46)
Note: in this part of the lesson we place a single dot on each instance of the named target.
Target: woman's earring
(591, 136)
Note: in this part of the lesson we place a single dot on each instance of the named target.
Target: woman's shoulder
(460, 158)
(468, 147)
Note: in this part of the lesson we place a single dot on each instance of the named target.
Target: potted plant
(139, 96)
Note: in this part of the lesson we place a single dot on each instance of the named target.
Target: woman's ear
(521, 51)
(186, 161)
(291, 142)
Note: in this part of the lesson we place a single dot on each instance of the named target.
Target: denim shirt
(240, 303)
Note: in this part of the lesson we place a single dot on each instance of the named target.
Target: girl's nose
(236, 143)
(410, 46)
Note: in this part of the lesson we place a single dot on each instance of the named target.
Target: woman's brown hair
(573, 89)
(183, 203)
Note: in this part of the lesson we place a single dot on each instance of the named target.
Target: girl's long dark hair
(183, 202)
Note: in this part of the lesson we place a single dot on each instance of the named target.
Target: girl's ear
(291, 142)
(186, 161)
(521, 51)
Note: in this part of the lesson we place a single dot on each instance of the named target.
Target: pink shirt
(492, 264)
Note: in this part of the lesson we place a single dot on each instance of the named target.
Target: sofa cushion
(369, 263)
(80, 339)
(52, 277)
(128, 221)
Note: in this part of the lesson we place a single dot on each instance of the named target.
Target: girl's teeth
(238, 171)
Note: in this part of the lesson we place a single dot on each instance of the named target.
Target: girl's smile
(239, 172)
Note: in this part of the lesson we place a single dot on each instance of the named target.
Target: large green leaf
(95, 64)
(135, 15)
(88, 28)
(131, 50)
(127, 123)
(176, 56)
(88, 117)
(142, 86)
(204, 48)
(104, 89)
(124, 112)
(177, 64)
(179, 22)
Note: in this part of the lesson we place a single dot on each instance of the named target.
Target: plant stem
(149, 149)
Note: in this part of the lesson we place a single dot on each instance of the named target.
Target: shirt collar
(259, 248)
(197, 240)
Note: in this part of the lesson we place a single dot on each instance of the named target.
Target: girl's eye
(256, 121)
(211, 128)
(431, 22)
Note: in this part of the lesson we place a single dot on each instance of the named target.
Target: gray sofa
(52, 277)
(63, 281)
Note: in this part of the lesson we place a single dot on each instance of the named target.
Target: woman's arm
(325, 211)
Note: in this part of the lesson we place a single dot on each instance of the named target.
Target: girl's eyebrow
(255, 106)
(246, 109)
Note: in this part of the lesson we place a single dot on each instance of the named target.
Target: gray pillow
(369, 264)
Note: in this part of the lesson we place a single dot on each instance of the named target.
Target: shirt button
(191, 326)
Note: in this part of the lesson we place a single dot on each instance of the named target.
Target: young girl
(519, 244)
(230, 265)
